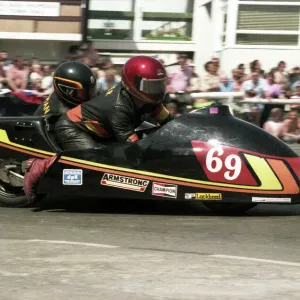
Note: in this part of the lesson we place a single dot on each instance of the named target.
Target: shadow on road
(158, 207)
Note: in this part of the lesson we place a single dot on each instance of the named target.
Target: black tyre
(12, 197)
(229, 208)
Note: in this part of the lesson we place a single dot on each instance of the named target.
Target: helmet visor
(153, 86)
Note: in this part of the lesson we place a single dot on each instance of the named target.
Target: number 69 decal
(215, 159)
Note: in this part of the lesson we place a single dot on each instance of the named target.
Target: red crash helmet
(145, 78)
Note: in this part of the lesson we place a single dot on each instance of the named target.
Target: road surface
(83, 249)
(148, 251)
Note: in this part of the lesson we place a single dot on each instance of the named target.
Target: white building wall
(202, 34)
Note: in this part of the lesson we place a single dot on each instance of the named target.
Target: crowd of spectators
(279, 120)
(31, 79)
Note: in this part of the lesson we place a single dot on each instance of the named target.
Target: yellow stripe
(268, 179)
(264, 172)
(162, 115)
(92, 128)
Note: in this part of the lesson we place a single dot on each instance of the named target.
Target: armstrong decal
(164, 190)
(123, 182)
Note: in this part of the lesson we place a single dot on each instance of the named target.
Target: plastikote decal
(271, 200)
(72, 177)
(123, 182)
(164, 190)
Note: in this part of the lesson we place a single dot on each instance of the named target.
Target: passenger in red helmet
(110, 116)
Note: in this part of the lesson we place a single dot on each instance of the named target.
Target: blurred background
(242, 53)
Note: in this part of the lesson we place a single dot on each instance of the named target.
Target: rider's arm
(162, 115)
(123, 124)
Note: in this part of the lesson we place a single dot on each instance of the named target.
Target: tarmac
(83, 249)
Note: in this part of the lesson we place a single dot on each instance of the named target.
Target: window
(167, 19)
(268, 17)
(267, 39)
(111, 19)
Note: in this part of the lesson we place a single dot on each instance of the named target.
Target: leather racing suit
(110, 116)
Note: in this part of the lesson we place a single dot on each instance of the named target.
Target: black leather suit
(110, 116)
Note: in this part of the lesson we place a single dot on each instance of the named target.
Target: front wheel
(229, 208)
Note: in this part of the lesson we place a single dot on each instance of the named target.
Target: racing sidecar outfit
(108, 116)
(114, 115)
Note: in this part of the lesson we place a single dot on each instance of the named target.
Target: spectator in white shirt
(255, 87)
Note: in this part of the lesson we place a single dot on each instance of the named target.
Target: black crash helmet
(74, 83)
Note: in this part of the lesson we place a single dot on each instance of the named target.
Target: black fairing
(169, 150)
(33, 132)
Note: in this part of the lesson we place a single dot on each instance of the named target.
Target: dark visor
(153, 86)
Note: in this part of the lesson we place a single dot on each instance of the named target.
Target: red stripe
(75, 114)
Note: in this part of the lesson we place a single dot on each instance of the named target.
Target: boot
(34, 170)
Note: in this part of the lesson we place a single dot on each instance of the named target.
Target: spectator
(225, 85)
(216, 61)
(237, 79)
(4, 58)
(274, 124)
(274, 90)
(105, 83)
(194, 80)
(47, 79)
(294, 75)
(290, 128)
(243, 75)
(91, 54)
(104, 65)
(36, 73)
(3, 80)
(295, 94)
(255, 66)
(295, 88)
(255, 87)
(17, 75)
(180, 78)
(280, 76)
(210, 80)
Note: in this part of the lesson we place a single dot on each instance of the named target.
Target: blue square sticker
(72, 177)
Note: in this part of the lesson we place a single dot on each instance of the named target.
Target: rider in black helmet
(74, 83)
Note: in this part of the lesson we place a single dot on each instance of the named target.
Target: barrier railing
(236, 97)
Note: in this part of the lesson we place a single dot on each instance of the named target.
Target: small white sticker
(72, 177)
(271, 200)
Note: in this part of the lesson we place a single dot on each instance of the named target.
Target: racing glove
(34, 170)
